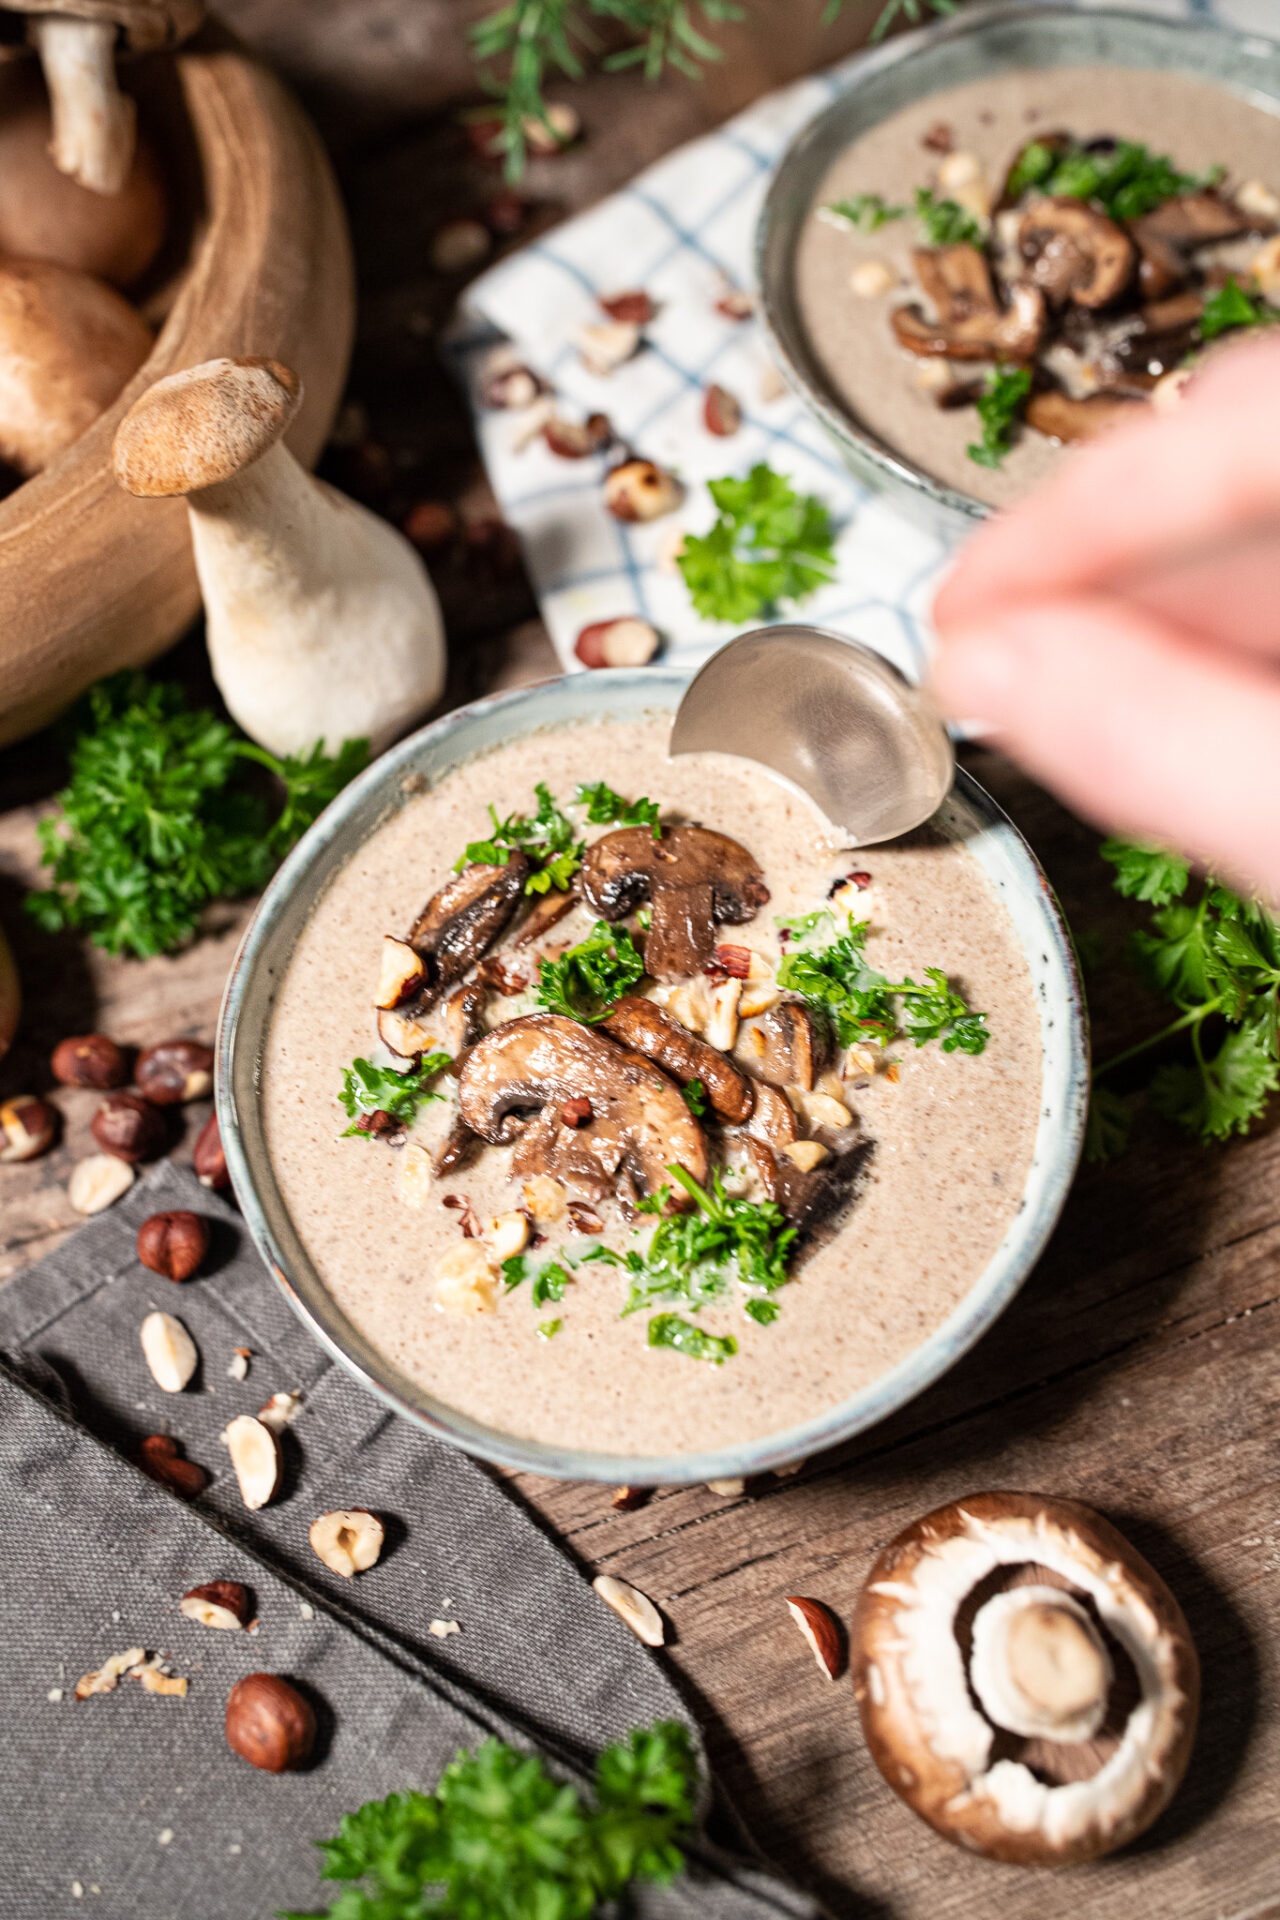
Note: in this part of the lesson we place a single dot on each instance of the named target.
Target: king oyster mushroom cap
(938, 1683)
(77, 41)
(68, 344)
(647, 1027)
(639, 1122)
(1073, 252)
(321, 621)
(695, 880)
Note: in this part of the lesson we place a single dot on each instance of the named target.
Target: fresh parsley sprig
(368, 1089)
(548, 837)
(605, 807)
(867, 212)
(999, 406)
(586, 981)
(1216, 956)
(769, 544)
(500, 1837)
(1126, 180)
(156, 822)
(867, 1005)
(672, 1330)
(946, 223)
(1232, 307)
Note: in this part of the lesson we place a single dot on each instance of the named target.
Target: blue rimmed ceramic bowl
(978, 41)
(969, 814)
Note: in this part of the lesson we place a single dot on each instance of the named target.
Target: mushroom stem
(1039, 1666)
(320, 619)
(93, 122)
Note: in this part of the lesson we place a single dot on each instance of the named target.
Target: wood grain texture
(92, 579)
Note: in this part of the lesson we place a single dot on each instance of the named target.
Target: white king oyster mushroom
(1018, 1626)
(321, 621)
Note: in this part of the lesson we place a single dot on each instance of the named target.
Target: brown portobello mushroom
(694, 879)
(1062, 418)
(464, 1017)
(815, 1197)
(639, 1121)
(1027, 1682)
(646, 1027)
(462, 921)
(1074, 252)
(1192, 220)
(970, 324)
(773, 1118)
(797, 1045)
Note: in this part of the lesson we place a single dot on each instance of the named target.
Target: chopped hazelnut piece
(545, 1198)
(465, 1282)
(804, 1154)
(871, 279)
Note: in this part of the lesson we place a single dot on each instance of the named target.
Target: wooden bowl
(92, 579)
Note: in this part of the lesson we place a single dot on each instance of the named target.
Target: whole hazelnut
(269, 1724)
(160, 1459)
(207, 1157)
(173, 1244)
(174, 1071)
(89, 1060)
(28, 1128)
(129, 1127)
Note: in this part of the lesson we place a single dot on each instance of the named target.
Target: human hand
(1119, 631)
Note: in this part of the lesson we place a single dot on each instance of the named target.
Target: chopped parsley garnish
(1126, 180)
(1032, 168)
(695, 1097)
(605, 807)
(586, 981)
(1231, 307)
(866, 1005)
(945, 222)
(768, 544)
(156, 821)
(868, 212)
(670, 1330)
(548, 1329)
(1216, 957)
(549, 1284)
(501, 1836)
(694, 1257)
(369, 1089)
(999, 405)
(547, 837)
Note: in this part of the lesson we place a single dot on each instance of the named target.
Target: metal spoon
(830, 715)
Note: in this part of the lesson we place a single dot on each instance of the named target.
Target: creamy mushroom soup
(685, 1178)
(1079, 224)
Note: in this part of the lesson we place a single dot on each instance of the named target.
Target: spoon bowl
(831, 716)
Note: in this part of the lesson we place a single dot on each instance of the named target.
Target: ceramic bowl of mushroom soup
(1013, 230)
(606, 1115)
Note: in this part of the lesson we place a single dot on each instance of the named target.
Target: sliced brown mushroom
(1068, 420)
(695, 880)
(797, 1045)
(642, 1024)
(458, 1148)
(463, 919)
(773, 1117)
(1192, 220)
(1027, 1682)
(464, 1018)
(812, 1198)
(639, 1121)
(957, 280)
(995, 333)
(545, 914)
(1073, 252)
(1162, 267)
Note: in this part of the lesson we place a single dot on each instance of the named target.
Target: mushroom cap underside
(970, 1779)
(204, 425)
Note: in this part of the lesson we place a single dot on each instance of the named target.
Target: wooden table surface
(1136, 1371)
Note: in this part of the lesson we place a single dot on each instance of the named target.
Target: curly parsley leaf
(946, 223)
(768, 544)
(586, 981)
(999, 406)
(695, 1097)
(695, 1257)
(1126, 180)
(548, 1329)
(501, 1837)
(1224, 1091)
(155, 822)
(605, 808)
(867, 212)
(1231, 307)
(547, 837)
(892, 11)
(1032, 168)
(670, 1330)
(368, 1089)
(1146, 873)
(866, 1005)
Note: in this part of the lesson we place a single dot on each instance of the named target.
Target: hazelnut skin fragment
(129, 1127)
(269, 1723)
(90, 1060)
(175, 1071)
(173, 1244)
(161, 1460)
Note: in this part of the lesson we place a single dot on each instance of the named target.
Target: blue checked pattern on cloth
(683, 231)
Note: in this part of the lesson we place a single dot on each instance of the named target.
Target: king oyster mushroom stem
(1027, 1682)
(321, 621)
(94, 124)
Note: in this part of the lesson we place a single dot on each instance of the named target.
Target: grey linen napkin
(134, 1798)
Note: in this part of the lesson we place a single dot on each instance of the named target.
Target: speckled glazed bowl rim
(335, 838)
(1239, 57)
